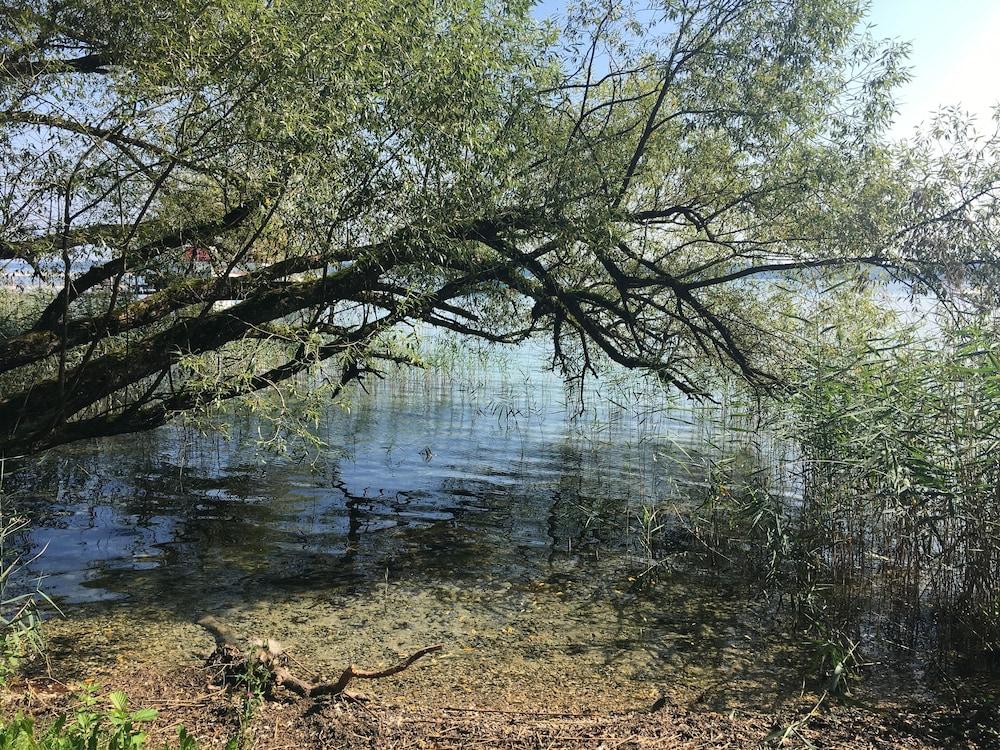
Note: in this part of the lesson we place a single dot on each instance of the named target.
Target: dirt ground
(185, 697)
(465, 697)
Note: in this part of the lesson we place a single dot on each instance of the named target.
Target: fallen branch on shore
(237, 663)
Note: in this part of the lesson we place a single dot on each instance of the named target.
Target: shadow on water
(480, 517)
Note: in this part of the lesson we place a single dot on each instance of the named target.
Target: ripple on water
(507, 534)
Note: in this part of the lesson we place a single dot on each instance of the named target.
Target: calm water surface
(475, 510)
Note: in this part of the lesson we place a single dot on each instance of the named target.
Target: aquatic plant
(20, 625)
(864, 497)
(20, 621)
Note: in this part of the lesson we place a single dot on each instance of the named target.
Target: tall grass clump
(20, 599)
(899, 476)
(865, 496)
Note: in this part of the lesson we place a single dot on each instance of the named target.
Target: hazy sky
(955, 57)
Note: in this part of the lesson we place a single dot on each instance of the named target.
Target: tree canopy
(202, 200)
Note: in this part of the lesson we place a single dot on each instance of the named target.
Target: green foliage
(269, 194)
(253, 683)
(20, 621)
(869, 487)
(904, 446)
(88, 728)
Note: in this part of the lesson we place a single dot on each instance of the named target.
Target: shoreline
(212, 716)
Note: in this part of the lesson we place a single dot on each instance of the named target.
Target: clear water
(421, 475)
(477, 510)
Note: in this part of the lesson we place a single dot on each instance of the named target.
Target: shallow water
(475, 511)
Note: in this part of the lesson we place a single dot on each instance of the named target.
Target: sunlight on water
(478, 509)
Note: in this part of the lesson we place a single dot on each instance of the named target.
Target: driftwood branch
(224, 637)
(353, 673)
(236, 660)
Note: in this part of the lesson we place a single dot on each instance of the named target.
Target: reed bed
(866, 497)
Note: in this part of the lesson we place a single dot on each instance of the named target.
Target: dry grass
(288, 722)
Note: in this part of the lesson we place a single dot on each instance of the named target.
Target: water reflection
(470, 511)
(423, 477)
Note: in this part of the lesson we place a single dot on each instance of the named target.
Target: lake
(546, 548)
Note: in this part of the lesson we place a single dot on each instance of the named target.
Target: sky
(955, 58)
